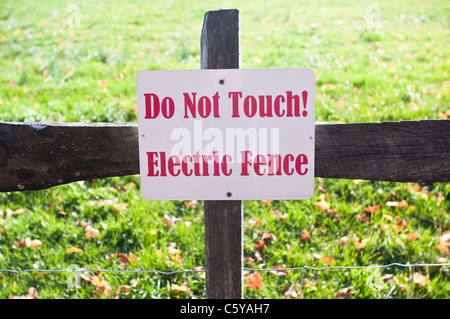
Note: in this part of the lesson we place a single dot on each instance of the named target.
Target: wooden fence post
(223, 219)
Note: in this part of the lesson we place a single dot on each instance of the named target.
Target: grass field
(77, 61)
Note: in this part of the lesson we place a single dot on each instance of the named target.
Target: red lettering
(245, 162)
(173, 162)
(152, 163)
(250, 106)
(235, 99)
(299, 161)
(189, 105)
(184, 167)
(151, 106)
(260, 160)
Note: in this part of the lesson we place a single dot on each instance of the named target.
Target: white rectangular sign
(227, 134)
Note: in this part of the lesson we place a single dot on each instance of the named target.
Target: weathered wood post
(223, 219)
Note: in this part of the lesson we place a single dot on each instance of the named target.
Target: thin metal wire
(412, 280)
(188, 271)
(301, 284)
(245, 268)
(187, 283)
(77, 283)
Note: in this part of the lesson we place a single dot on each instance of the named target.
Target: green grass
(53, 69)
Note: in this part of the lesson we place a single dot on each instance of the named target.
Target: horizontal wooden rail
(41, 155)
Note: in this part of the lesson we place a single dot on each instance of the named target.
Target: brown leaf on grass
(345, 293)
(413, 236)
(371, 209)
(74, 250)
(24, 242)
(18, 211)
(445, 237)
(343, 240)
(32, 294)
(291, 292)
(305, 235)
(322, 205)
(261, 245)
(91, 232)
(179, 289)
(35, 243)
(103, 83)
(123, 259)
(443, 248)
(401, 223)
(119, 207)
(191, 204)
(360, 244)
(420, 279)
(170, 221)
(101, 285)
(267, 235)
(279, 215)
(27, 242)
(327, 260)
(130, 185)
(254, 281)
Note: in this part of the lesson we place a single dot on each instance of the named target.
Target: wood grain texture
(224, 255)
(407, 151)
(42, 155)
(224, 249)
(219, 45)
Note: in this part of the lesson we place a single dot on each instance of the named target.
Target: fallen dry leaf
(372, 209)
(291, 292)
(327, 260)
(253, 222)
(27, 242)
(413, 236)
(322, 205)
(18, 211)
(170, 221)
(35, 243)
(91, 232)
(420, 279)
(268, 236)
(443, 248)
(74, 250)
(343, 241)
(360, 244)
(254, 281)
(261, 245)
(191, 204)
(305, 235)
(279, 215)
(442, 260)
(176, 289)
(345, 293)
(119, 207)
(101, 285)
(32, 294)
